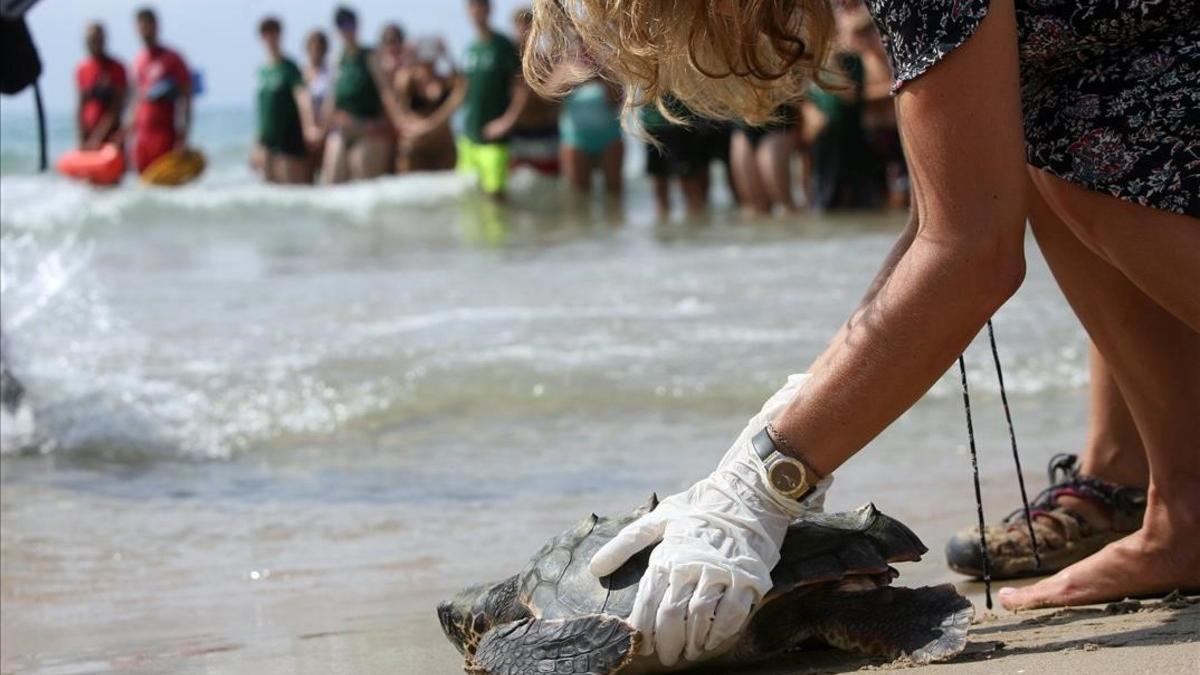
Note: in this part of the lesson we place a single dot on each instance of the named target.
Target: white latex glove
(720, 540)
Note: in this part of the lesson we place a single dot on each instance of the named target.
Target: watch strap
(764, 447)
(763, 444)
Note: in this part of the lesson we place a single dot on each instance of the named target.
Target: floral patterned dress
(1110, 88)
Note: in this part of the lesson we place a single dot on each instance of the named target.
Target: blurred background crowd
(337, 107)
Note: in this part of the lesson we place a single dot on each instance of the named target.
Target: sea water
(267, 428)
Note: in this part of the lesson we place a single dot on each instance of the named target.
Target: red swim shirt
(162, 77)
(102, 83)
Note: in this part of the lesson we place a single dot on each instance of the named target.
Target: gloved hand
(719, 541)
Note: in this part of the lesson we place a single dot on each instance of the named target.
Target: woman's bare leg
(612, 165)
(1155, 362)
(370, 157)
(404, 163)
(1156, 250)
(774, 158)
(576, 168)
(334, 168)
(695, 191)
(746, 177)
(1114, 451)
(662, 197)
(290, 170)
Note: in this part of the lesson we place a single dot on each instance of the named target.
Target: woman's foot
(1161, 557)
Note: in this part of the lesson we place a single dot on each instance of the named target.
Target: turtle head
(474, 610)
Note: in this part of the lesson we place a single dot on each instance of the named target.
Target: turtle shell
(819, 548)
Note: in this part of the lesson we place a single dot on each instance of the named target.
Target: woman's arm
(961, 127)
(328, 107)
(308, 113)
(387, 93)
(401, 82)
(80, 132)
(444, 111)
(899, 249)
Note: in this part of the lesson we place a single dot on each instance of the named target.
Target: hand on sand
(717, 543)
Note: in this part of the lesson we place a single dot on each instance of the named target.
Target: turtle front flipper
(925, 624)
(597, 644)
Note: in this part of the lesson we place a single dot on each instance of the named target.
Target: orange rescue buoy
(98, 167)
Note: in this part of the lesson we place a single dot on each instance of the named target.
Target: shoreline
(162, 610)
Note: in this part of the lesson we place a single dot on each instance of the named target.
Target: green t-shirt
(279, 127)
(355, 91)
(843, 133)
(490, 67)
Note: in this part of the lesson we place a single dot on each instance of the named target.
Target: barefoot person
(496, 94)
(360, 113)
(103, 92)
(1096, 151)
(1090, 502)
(163, 116)
(283, 106)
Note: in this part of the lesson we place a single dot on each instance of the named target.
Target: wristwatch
(786, 475)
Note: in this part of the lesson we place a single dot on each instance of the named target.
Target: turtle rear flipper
(925, 624)
(597, 644)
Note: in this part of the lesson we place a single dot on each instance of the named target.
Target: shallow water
(271, 427)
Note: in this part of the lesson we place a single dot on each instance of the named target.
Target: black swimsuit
(1110, 88)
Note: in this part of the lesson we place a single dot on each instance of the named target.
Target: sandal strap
(1127, 503)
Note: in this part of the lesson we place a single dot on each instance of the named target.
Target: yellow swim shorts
(488, 162)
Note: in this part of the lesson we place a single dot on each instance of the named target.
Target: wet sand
(1154, 636)
(338, 605)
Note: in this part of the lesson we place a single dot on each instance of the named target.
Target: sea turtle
(831, 586)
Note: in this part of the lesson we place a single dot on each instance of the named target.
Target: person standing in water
(534, 141)
(428, 99)
(360, 114)
(1094, 152)
(284, 111)
(680, 150)
(103, 93)
(761, 162)
(495, 97)
(316, 72)
(590, 129)
(317, 84)
(163, 117)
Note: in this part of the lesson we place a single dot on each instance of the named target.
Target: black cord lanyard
(987, 561)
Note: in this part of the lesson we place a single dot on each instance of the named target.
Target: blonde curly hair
(723, 59)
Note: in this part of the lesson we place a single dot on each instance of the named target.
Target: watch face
(789, 477)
